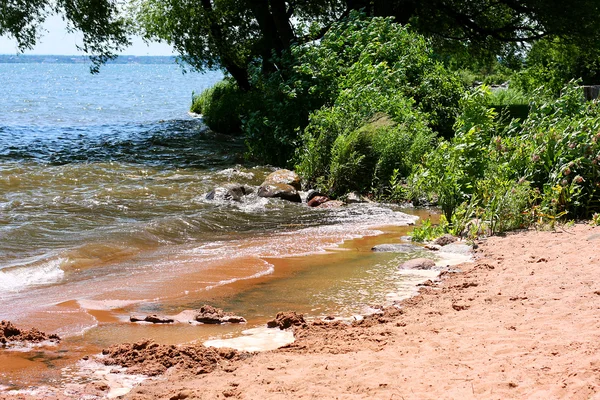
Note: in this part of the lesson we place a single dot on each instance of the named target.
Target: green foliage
(427, 231)
(508, 96)
(280, 111)
(366, 53)
(552, 63)
(382, 92)
(498, 177)
(221, 106)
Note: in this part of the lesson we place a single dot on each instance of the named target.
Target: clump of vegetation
(329, 90)
(387, 97)
(428, 231)
(498, 177)
(221, 106)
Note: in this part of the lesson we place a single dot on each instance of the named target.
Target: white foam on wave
(350, 222)
(107, 305)
(14, 279)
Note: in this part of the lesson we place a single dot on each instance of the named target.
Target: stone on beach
(285, 320)
(445, 240)
(418, 263)
(457, 248)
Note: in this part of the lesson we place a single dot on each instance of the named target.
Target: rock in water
(212, 315)
(155, 319)
(284, 320)
(280, 191)
(316, 201)
(418, 263)
(231, 191)
(395, 248)
(313, 193)
(355, 197)
(284, 176)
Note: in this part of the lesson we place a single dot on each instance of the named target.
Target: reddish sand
(521, 322)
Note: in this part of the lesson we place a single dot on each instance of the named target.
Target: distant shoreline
(81, 59)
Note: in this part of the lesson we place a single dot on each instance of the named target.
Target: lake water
(103, 213)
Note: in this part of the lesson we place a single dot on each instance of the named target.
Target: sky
(56, 41)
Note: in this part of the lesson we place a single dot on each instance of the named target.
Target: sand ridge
(522, 321)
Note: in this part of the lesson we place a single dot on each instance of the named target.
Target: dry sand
(521, 322)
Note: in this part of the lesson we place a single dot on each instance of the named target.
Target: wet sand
(522, 321)
(301, 282)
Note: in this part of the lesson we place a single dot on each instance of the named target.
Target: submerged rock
(231, 191)
(280, 191)
(285, 320)
(418, 263)
(284, 176)
(212, 315)
(395, 248)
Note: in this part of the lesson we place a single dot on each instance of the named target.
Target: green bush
(362, 142)
(364, 53)
(221, 106)
(384, 96)
(509, 176)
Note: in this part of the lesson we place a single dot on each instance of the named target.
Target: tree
(104, 27)
(236, 34)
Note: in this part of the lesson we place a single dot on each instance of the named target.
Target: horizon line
(81, 55)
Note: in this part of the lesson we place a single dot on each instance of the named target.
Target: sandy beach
(521, 321)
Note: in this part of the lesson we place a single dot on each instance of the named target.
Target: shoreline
(74, 348)
(519, 322)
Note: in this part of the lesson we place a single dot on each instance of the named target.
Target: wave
(14, 279)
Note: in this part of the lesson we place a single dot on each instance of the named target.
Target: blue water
(67, 95)
(60, 113)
